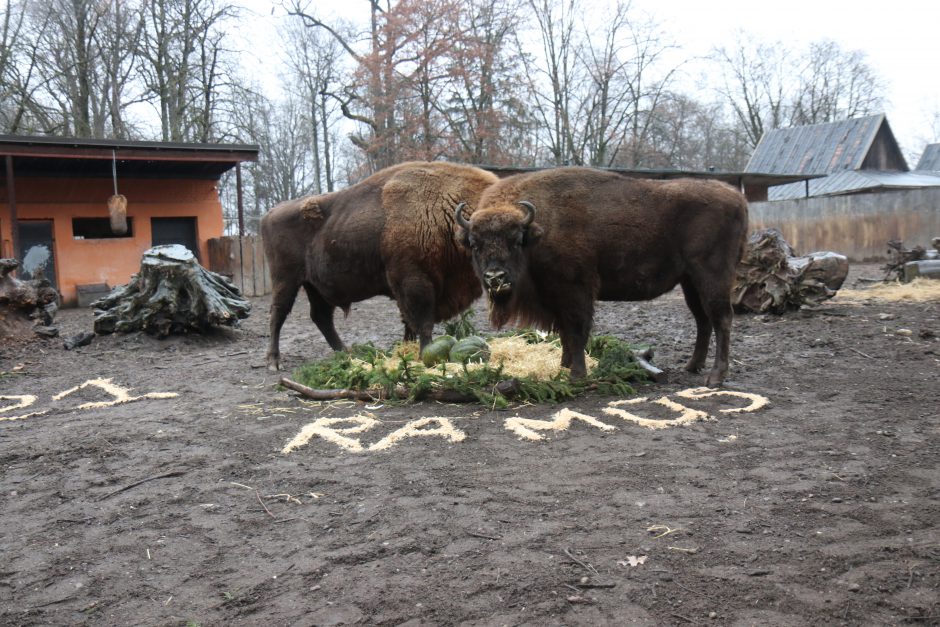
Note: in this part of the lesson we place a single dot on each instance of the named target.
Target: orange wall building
(55, 216)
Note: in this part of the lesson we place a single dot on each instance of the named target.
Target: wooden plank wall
(856, 225)
(242, 260)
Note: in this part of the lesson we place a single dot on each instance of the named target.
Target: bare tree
(18, 76)
(181, 52)
(70, 64)
(770, 86)
(691, 135)
(835, 84)
(754, 76)
(312, 58)
(553, 79)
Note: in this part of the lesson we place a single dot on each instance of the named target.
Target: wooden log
(506, 388)
(643, 358)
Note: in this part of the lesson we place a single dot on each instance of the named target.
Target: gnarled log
(27, 308)
(172, 293)
(770, 278)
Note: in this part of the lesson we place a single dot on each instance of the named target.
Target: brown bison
(390, 234)
(546, 245)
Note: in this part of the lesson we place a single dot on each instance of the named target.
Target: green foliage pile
(402, 377)
(461, 326)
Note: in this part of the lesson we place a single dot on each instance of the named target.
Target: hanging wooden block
(117, 207)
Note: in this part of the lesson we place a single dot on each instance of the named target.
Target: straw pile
(540, 361)
(920, 290)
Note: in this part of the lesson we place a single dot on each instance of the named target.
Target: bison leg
(703, 327)
(282, 301)
(415, 296)
(574, 336)
(321, 312)
(409, 334)
(721, 315)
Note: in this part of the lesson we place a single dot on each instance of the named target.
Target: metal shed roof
(56, 156)
(816, 148)
(930, 159)
(850, 182)
(737, 179)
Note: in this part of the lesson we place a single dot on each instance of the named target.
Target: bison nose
(494, 277)
(496, 280)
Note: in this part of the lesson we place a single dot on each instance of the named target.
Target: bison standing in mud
(547, 245)
(390, 234)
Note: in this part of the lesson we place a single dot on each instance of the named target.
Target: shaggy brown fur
(597, 235)
(390, 234)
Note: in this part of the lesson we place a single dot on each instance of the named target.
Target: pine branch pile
(518, 370)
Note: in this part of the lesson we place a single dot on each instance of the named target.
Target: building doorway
(175, 231)
(37, 246)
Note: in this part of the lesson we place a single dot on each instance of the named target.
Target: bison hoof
(273, 364)
(714, 379)
(578, 373)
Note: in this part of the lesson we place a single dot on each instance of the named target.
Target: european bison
(547, 244)
(390, 234)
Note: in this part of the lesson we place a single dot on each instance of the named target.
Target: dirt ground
(172, 502)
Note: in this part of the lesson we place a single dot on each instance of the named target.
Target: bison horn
(458, 214)
(529, 212)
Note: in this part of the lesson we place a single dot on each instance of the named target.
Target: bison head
(497, 239)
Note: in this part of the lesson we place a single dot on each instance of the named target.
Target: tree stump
(771, 279)
(27, 308)
(904, 264)
(172, 294)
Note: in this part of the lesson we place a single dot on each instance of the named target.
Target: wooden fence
(855, 225)
(241, 259)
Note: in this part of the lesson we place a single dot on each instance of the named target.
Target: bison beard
(390, 234)
(547, 245)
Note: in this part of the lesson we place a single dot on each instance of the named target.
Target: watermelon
(471, 348)
(437, 351)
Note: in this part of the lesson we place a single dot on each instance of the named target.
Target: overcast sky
(901, 40)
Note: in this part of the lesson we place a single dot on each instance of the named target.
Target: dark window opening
(98, 228)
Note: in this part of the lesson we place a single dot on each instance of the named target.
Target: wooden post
(238, 194)
(11, 201)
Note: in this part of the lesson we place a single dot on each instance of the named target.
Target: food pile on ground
(524, 366)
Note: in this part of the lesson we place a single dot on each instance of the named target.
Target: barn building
(54, 216)
(862, 193)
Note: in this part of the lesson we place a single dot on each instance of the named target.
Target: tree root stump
(771, 279)
(172, 294)
(27, 308)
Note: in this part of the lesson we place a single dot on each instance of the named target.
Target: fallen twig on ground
(175, 473)
(583, 565)
(484, 536)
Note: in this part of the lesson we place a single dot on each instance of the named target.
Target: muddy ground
(820, 507)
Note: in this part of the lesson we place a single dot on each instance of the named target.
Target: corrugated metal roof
(816, 148)
(850, 181)
(52, 156)
(930, 160)
(50, 141)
